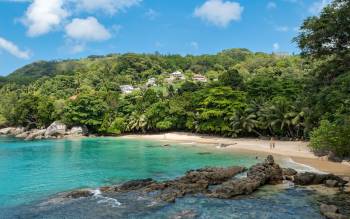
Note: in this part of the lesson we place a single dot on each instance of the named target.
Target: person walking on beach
(272, 143)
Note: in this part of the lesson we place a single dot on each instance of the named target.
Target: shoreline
(297, 151)
(288, 152)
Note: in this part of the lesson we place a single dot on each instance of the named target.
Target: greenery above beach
(233, 93)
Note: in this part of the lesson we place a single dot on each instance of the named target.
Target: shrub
(118, 126)
(332, 137)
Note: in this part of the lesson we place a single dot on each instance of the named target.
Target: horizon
(39, 30)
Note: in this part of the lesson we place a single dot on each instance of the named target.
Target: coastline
(297, 151)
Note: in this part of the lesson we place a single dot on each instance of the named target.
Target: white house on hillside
(200, 78)
(178, 75)
(126, 89)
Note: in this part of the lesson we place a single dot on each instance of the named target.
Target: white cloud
(218, 12)
(13, 49)
(317, 6)
(88, 29)
(276, 46)
(42, 16)
(109, 6)
(271, 5)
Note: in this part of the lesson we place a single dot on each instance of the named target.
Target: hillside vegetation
(233, 93)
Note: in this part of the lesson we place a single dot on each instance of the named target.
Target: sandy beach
(295, 150)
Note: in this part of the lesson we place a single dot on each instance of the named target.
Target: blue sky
(32, 30)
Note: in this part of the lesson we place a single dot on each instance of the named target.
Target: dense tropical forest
(233, 93)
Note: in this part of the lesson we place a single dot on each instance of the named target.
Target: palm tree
(137, 122)
(244, 120)
(284, 117)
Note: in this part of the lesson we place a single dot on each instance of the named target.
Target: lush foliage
(325, 42)
(332, 137)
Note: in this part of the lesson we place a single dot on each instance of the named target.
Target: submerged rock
(185, 214)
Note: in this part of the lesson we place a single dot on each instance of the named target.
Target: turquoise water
(30, 171)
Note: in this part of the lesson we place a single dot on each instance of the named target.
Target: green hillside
(233, 93)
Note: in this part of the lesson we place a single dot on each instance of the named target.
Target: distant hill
(34, 71)
(39, 69)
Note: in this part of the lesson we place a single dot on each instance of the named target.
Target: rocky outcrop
(23, 135)
(36, 134)
(6, 131)
(134, 184)
(56, 129)
(308, 178)
(79, 194)
(210, 181)
(260, 174)
(78, 131)
(194, 181)
(289, 173)
(331, 212)
(12, 131)
(220, 183)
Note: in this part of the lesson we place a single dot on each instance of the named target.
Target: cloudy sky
(32, 30)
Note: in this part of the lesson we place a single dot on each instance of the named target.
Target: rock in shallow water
(134, 184)
(79, 194)
(218, 183)
(331, 212)
(308, 178)
(258, 175)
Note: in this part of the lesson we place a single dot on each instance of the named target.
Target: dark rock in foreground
(79, 194)
(134, 185)
(258, 175)
(331, 212)
(221, 183)
(308, 178)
